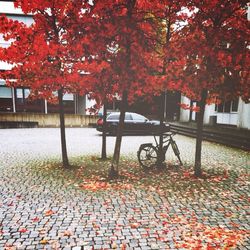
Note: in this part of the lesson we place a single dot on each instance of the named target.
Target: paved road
(45, 142)
(43, 210)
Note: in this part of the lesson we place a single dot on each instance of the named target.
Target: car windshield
(139, 117)
(113, 117)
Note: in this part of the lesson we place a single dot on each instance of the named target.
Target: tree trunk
(62, 128)
(104, 132)
(127, 67)
(200, 116)
(160, 159)
(115, 161)
(191, 112)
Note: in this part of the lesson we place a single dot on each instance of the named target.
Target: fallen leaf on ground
(36, 219)
(23, 230)
(49, 212)
(113, 245)
(134, 225)
(44, 241)
(123, 246)
(67, 233)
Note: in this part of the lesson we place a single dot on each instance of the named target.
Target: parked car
(133, 123)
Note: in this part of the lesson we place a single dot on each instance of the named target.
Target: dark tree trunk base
(113, 174)
(104, 159)
(198, 172)
(161, 165)
(66, 164)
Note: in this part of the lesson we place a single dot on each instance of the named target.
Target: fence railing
(237, 139)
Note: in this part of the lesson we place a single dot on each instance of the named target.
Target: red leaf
(23, 230)
(36, 219)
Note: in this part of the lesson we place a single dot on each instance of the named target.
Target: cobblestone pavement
(42, 210)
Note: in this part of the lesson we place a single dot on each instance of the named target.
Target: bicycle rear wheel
(147, 156)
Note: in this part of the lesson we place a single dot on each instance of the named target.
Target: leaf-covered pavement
(44, 206)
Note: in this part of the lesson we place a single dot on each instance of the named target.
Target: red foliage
(129, 29)
(211, 51)
(139, 46)
(49, 54)
(192, 108)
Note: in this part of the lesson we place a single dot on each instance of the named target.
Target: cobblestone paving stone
(43, 210)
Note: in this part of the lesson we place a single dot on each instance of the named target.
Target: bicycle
(148, 154)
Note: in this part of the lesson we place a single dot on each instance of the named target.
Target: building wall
(89, 103)
(243, 120)
(81, 105)
(240, 118)
(184, 113)
(49, 120)
(227, 119)
(209, 113)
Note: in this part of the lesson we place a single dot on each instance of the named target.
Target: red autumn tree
(102, 88)
(49, 55)
(210, 57)
(130, 32)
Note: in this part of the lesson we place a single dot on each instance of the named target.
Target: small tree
(102, 88)
(130, 32)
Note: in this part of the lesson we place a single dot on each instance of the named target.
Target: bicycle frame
(167, 138)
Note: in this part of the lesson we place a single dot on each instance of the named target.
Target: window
(22, 93)
(5, 92)
(68, 97)
(25, 104)
(219, 107)
(139, 117)
(6, 103)
(128, 117)
(235, 105)
(68, 104)
(26, 93)
(115, 117)
(227, 107)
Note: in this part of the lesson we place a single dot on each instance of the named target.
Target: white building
(235, 113)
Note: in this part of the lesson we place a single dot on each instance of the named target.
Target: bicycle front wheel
(147, 156)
